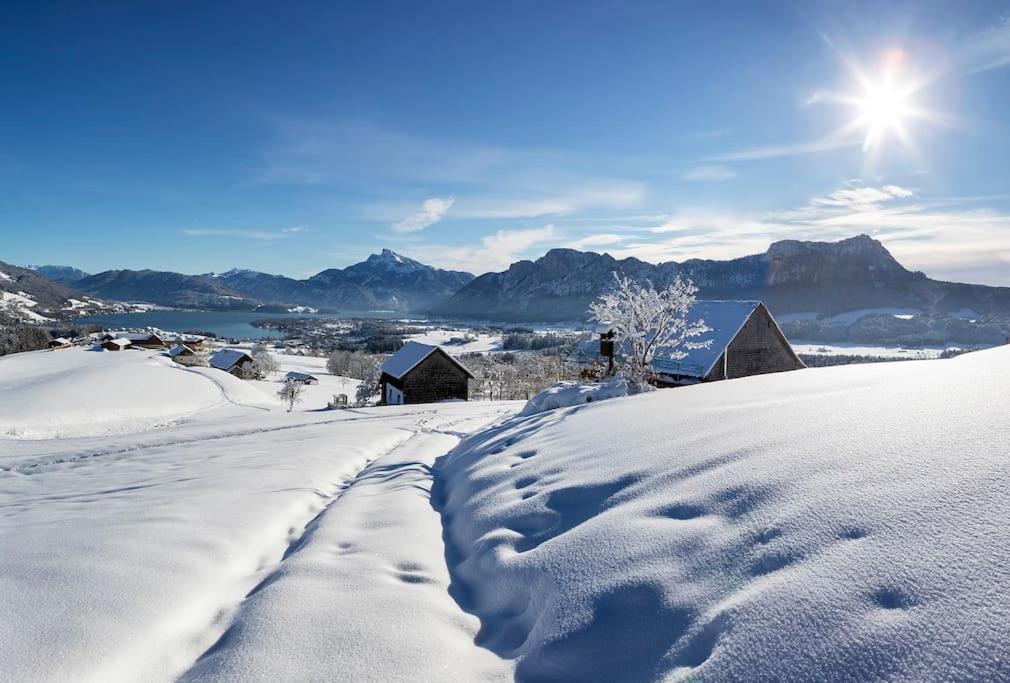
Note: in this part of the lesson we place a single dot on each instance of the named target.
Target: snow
(226, 359)
(843, 349)
(79, 393)
(22, 304)
(4, 276)
(240, 543)
(315, 397)
(831, 524)
(568, 394)
(481, 342)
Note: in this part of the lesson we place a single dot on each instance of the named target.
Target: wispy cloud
(789, 149)
(596, 241)
(965, 242)
(494, 253)
(708, 173)
(989, 49)
(263, 235)
(431, 212)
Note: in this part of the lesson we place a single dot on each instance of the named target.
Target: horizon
(394, 252)
(197, 139)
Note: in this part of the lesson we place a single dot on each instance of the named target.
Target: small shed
(60, 343)
(300, 378)
(419, 373)
(232, 361)
(116, 344)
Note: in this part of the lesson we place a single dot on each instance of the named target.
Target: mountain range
(790, 277)
(384, 281)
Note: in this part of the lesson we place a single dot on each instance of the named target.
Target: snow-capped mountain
(66, 275)
(791, 276)
(387, 281)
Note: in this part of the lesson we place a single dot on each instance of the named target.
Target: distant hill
(791, 277)
(384, 281)
(26, 294)
(66, 275)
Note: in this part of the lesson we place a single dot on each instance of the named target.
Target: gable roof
(140, 336)
(411, 355)
(726, 318)
(226, 359)
(297, 376)
(179, 349)
(118, 342)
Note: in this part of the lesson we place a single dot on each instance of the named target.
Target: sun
(883, 109)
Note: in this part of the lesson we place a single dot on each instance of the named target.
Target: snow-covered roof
(295, 376)
(226, 359)
(119, 342)
(603, 327)
(726, 318)
(178, 350)
(408, 357)
(139, 336)
(61, 340)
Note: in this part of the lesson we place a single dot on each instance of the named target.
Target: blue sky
(292, 137)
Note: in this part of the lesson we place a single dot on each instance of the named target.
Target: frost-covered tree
(263, 363)
(369, 382)
(291, 393)
(649, 323)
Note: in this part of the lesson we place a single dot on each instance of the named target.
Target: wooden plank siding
(758, 348)
(436, 378)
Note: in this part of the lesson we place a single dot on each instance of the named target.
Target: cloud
(431, 211)
(591, 241)
(264, 235)
(989, 49)
(791, 149)
(708, 173)
(496, 251)
(960, 241)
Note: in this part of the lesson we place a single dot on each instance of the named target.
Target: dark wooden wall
(436, 378)
(758, 349)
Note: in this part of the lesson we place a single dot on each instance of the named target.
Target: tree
(369, 382)
(648, 323)
(263, 364)
(291, 393)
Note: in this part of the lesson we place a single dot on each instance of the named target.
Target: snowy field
(480, 343)
(816, 349)
(843, 523)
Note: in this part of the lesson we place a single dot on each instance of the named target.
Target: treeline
(532, 341)
(17, 337)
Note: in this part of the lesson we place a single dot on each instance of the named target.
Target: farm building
(145, 340)
(180, 350)
(115, 344)
(746, 341)
(300, 378)
(60, 343)
(419, 373)
(233, 361)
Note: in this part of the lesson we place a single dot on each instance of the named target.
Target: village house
(60, 343)
(232, 361)
(419, 373)
(145, 340)
(745, 340)
(115, 344)
(179, 351)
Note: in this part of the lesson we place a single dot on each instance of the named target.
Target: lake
(230, 324)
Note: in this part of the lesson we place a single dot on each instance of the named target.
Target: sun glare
(882, 109)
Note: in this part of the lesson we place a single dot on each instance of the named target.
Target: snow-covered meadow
(844, 523)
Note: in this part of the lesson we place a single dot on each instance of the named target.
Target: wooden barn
(232, 361)
(419, 373)
(180, 351)
(746, 341)
(745, 338)
(115, 344)
(145, 340)
(300, 378)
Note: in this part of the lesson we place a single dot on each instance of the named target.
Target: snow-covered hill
(834, 524)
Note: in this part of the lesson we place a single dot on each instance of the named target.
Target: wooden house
(115, 344)
(145, 340)
(232, 361)
(60, 343)
(745, 340)
(419, 373)
(180, 350)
